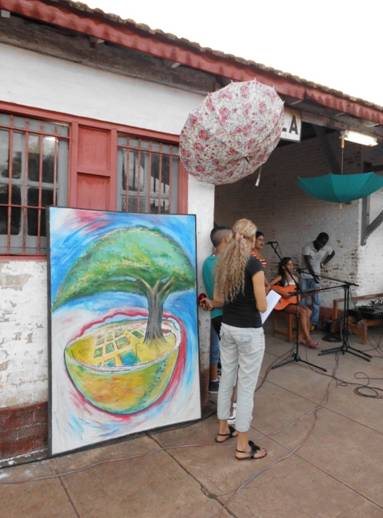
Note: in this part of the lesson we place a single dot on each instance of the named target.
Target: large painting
(123, 325)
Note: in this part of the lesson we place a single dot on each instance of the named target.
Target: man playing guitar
(286, 284)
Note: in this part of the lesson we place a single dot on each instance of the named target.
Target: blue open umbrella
(341, 188)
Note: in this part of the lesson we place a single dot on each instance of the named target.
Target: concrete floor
(325, 459)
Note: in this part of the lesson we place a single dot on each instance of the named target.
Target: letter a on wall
(123, 351)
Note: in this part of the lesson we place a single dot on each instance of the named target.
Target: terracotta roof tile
(185, 43)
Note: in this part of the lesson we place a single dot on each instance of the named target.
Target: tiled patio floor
(325, 459)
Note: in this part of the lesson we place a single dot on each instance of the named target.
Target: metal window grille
(147, 175)
(33, 174)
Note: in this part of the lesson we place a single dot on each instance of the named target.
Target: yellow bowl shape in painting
(116, 371)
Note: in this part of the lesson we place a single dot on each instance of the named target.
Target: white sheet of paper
(272, 300)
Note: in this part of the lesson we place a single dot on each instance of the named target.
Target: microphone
(271, 242)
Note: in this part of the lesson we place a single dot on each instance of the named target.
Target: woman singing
(287, 279)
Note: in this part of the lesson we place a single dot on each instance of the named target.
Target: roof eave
(81, 18)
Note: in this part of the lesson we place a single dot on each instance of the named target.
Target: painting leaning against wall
(123, 349)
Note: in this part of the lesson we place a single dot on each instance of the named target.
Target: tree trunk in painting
(156, 309)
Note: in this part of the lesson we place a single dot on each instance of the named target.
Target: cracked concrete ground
(325, 458)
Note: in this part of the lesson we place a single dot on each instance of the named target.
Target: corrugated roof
(79, 17)
(165, 36)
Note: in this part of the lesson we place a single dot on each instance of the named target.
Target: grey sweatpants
(242, 350)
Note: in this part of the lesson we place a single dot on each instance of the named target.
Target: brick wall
(284, 212)
(23, 357)
(23, 429)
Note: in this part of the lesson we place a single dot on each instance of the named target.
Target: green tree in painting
(136, 260)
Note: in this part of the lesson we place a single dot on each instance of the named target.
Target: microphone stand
(296, 357)
(345, 332)
(275, 245)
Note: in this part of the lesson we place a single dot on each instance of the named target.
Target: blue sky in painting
(72, 232)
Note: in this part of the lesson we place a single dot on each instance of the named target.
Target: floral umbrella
(232, 133)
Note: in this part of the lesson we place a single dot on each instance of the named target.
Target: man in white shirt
(315, 255)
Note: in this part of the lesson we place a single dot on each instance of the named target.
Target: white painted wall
(370, 271)
(39, 81)
(23, 332)
(201, 203)
(42, 81)
(285, 213)
(371, 254)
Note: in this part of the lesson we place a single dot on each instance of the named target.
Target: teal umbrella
(341, 188)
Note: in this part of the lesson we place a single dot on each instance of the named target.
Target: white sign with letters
(292, 126)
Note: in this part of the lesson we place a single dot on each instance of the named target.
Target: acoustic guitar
(284, 302)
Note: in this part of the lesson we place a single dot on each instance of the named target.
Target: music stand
(296, 357)
(345, 332)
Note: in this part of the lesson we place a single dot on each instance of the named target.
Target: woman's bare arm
(259, 291)
(216, 302)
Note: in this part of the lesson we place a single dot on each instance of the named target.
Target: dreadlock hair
(230, 270)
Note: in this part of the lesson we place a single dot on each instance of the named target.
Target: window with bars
(147, 175)
(33, 174)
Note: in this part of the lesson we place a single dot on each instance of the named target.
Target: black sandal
(254, 449)
(232, 433)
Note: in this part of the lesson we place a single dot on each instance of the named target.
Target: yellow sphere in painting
(117, 371)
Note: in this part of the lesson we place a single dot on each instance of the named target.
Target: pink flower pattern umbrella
(232, 133)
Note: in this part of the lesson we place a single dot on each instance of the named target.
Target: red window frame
(31, 186)
(77, 170)
(150, 171)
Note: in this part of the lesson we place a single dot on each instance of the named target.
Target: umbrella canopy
(232, 133)
(341, 188)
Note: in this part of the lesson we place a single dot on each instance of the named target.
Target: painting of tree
(137, 260)
(123, 335)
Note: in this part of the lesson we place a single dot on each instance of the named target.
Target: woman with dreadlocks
(240, 289)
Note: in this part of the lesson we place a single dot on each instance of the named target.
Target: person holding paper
(240, 289)
(286, 284)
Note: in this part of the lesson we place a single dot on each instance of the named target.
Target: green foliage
(136, 260)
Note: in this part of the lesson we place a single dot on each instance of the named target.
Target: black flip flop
(252, 453)
(228, 436)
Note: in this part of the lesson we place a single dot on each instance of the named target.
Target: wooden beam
(319, 117)
(327, 149)
(368, 227)
(374, 224)
(365, 220)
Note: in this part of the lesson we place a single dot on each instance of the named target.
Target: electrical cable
(360, 387)
(314, 411)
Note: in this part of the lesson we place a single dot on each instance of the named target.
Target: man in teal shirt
(219, 236)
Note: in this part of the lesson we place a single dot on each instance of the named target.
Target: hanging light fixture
(360, 138)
